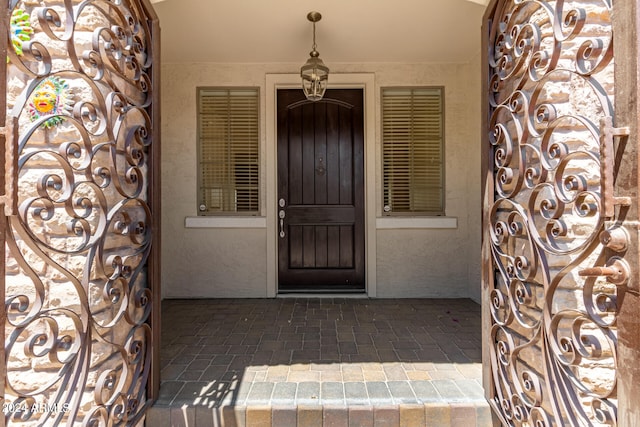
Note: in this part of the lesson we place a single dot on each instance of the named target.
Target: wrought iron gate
(82, 211)
(557, 255)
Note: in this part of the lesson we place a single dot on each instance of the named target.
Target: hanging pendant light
(314, 73)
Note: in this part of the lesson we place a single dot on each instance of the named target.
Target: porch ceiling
(351, 31)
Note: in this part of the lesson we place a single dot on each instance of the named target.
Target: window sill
(422, 222)
(261, 222)
(225, 222)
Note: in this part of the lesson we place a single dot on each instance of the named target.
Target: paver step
(436, 414)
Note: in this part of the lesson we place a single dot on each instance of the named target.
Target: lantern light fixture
(314, 73)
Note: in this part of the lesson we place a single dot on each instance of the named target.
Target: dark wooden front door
(321, 191)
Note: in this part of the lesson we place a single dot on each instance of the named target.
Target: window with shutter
(228, 151)
(413, 151)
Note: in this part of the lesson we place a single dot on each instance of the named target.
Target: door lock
(615, 238)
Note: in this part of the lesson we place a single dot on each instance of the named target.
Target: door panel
(321, 187)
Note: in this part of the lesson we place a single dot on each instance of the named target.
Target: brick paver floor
(319, 351)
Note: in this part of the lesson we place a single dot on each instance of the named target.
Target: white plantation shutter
(413, 151)
(228, 151)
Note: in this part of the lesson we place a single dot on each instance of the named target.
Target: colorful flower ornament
(50, 98)
(21, 30)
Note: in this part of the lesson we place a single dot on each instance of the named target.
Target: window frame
(199, 158)
(417, 213)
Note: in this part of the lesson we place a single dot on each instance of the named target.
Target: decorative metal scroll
(556, 267)
(77, 289)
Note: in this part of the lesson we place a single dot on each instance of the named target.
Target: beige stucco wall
(474, 179)
(439, 262)
(232, 262)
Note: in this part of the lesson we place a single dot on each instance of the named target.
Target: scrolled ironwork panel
(78, 295)
(556, 268)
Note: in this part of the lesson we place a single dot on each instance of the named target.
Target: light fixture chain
(314, 37)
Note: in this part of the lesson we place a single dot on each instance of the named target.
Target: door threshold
(361, 295)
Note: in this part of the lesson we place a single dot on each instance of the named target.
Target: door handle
(282, 214)
(616, 270)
